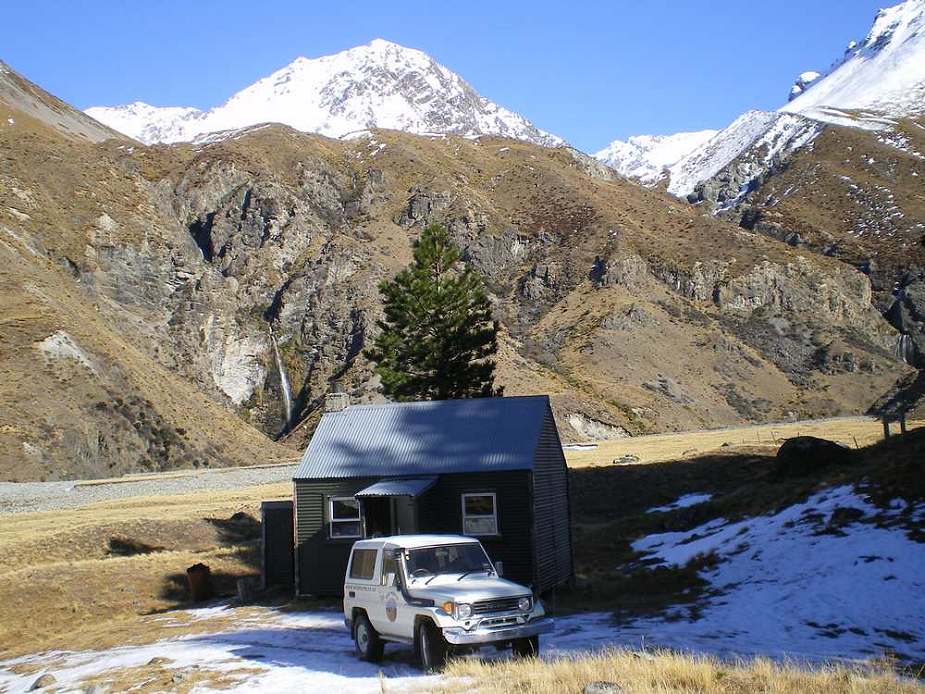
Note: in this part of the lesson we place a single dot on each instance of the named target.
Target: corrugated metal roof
(430, 437)
(404, 486)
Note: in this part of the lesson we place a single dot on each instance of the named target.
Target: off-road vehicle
(439, 593)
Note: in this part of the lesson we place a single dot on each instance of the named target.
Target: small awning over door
(399, 486)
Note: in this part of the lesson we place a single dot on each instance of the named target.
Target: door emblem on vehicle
(391, 608)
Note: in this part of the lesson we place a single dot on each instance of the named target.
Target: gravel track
(23, 497)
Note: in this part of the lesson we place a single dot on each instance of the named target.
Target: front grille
(499, 605)
(499, 622)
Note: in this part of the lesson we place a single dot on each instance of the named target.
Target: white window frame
(493, 516)
(332, 521)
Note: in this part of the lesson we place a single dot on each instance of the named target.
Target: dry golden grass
(639, 673)
(845, 183)
(62, 587)
(850, 431)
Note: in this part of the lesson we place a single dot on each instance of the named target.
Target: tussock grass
(851, 431)
(644, 673)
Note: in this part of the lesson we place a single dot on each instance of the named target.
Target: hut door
(406, 517)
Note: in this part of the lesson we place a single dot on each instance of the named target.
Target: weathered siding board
(441, 512)
(552, 531)
(321, 561)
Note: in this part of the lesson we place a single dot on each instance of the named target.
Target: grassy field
(86, 578)
(850, 431)
(79, 578)
(644, 673)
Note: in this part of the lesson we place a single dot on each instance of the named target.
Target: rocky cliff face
(213, 274)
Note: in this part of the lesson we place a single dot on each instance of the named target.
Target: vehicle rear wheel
(526, 648)
(369, 645)
(432, 647)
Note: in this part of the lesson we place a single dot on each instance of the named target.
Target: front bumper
(458, 636)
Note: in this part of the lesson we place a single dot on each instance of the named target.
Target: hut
(489, 468)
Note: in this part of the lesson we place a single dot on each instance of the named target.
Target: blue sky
(588, 71)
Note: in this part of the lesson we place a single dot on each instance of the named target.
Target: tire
(526, 648)
(433, 649)
(368, 644)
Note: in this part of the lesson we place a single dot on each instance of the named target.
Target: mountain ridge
(874, 83)
(633, 310)
(378, 85)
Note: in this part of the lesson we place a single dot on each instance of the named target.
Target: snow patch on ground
(685, 501)
(832, 577)
(310, 651)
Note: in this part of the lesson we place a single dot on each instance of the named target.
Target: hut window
(480, 514)
(344, 516)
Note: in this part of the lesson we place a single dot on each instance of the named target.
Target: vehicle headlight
(524, 604)
(463, 611)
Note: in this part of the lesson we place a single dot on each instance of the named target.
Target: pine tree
(437, 337)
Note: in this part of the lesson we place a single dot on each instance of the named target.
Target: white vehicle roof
(414, 541)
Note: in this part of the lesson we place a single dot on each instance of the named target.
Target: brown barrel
(199, 578)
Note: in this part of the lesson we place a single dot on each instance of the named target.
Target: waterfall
(283, 381)
(905, 349)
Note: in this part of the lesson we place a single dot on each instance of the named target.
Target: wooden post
(886, 428)
(902, 423)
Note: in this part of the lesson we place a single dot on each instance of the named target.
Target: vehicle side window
(344, 519)
(363, 564)
(480, 514)
(389, 568)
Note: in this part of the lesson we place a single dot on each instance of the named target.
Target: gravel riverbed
(22, 497)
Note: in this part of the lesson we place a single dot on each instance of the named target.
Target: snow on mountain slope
(646, 158)
(145, 122)
(765, 135)
(884, 74)
(379, 85)
(790, 583)
(873, 83)
(802, 83)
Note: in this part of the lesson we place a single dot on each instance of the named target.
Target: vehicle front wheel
(526, 648)
(432, 647)
(369, 645)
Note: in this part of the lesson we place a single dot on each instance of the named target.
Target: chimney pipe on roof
(337, 400)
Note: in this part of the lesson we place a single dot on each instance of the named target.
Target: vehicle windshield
(447, 559)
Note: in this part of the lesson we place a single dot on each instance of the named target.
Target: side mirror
(499, 567)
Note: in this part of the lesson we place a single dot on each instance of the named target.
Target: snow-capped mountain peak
(884, 74)
(874, 82)
(647, 158)
(377, 85)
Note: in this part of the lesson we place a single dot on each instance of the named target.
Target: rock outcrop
(182, 288)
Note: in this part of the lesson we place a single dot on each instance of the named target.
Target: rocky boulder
(804, 455)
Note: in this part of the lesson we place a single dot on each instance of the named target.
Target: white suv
(439, 593)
